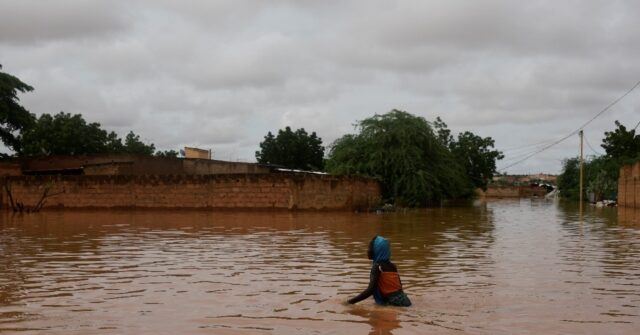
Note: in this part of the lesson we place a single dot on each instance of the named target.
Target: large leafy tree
(13, 117)
(622, 146)
(443, 132)
(602, 177)
(67, 134)
(477, 157)
(621, 143)
(474, 152)
(405, 154)
(292, 149)
(133, 145)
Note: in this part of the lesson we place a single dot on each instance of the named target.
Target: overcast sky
(221, 74)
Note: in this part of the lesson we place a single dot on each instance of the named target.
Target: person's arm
(373, 281)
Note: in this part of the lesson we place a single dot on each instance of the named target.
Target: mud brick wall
(502, 192)
(239, 191)
(494, 191)
(629, 186)
(629, 216)
(532, 191)
(10, 169)
(139, 165)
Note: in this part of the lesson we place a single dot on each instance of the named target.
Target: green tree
(443, 132)
(67, 134)
(477, 157)
(113, 143)
(133, 145)
(402, 151)
(13, 117)
(568, 180)
(621, 143)
(269, 151)
(293, 150)
(601, 173)
(600, 178)
(167, 154)
(472, 151)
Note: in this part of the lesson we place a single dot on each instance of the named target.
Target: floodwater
(498, 267)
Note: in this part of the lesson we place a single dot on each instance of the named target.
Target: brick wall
(532, 191)
(139, 165)
(629, 216)
(107, 169)
(210, 166)
(502, 192)
(9, 169)
(246, 191)
(494, 191)
(629, 186)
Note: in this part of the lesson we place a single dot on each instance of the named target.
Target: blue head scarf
(381, 253)
(381, 250)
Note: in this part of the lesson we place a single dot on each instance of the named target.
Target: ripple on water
(495, 268)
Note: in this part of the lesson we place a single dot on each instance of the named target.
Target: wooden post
(581, 168)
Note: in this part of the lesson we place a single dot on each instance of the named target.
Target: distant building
(540, 178)
(197, 153)
(125, 165)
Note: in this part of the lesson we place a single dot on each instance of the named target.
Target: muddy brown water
(498, 267)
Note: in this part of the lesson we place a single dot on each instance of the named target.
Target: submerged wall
(629, 186)
(494, 191)
(241, 191)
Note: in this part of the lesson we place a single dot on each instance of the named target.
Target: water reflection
(600, 256)
(382, 320)
(629, 217)
(492, 268)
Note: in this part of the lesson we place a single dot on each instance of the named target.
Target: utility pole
(581, 168)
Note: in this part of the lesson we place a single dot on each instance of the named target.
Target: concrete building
(197, 153)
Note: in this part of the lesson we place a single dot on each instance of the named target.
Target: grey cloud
(29, 21)
(220, 74)
(254, 63)
(478, 26)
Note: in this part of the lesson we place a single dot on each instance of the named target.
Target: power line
(526, 146)
(637, 124)
(537, 152)
(610, 105)
(590, 147)
(512, 158)
(575, 131)
(523, 151)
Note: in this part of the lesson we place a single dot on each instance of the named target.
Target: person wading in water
(384, 280)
